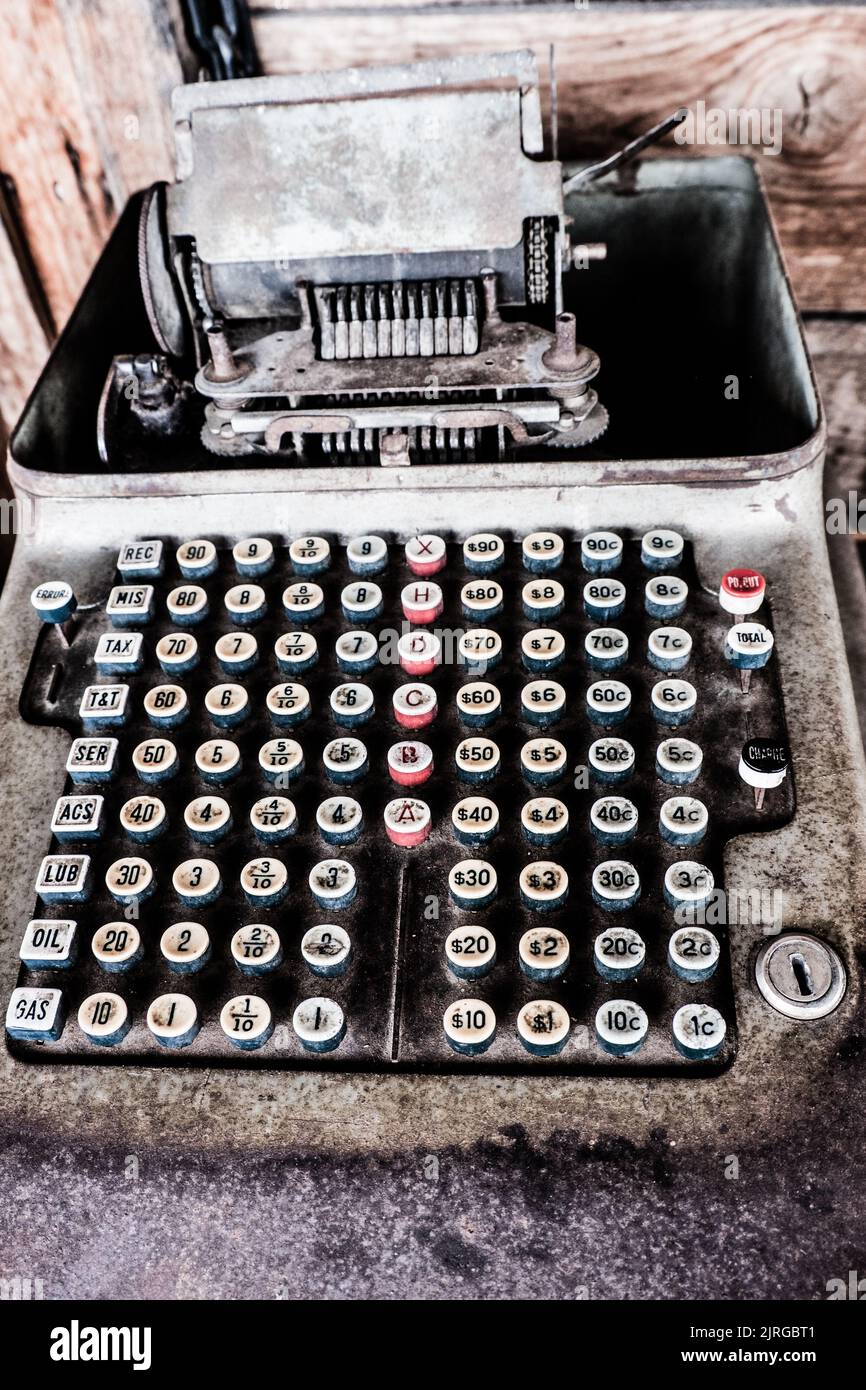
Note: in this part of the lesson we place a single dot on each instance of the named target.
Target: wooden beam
(620, 69)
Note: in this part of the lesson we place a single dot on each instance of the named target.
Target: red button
(415, 705)
(410, 763)
(407, 822)
(422, 602)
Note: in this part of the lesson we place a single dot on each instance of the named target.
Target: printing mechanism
(360, 267)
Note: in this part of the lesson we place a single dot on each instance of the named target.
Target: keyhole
(803, 975)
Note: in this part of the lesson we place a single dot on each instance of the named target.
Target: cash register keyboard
(377, 805)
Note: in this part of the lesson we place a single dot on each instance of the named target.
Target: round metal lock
(800, 976)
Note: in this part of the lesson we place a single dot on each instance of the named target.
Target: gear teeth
(590, 429)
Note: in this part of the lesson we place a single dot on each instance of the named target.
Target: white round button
(143, 817)
(475, 819)
(615, 884)
(296, 652)
(185, 946)
(236, 651)
(357, 651)
(542, 648)
(197, 881)
(477, 759)
(472, 883)
(479, 647)
(288, 704)
(601, 551)
(699, 1031)
(678, 760)
(274, 818)
(621, 1027)
(604, 598)
(173, 1020)
(227, 704)
(129, 880)
(245, 603)
(687, 883)
(542, 598)
(326, 949)
(303, 600)
(665, 596)
(256, 948)
(351, 703)
(333, 883)
(542, 551)
(469, 1026)
(218, 759)
(104, 1018)
(544, 953)
(345, 759)
(265, 880)
(196, 559)
(543, 1026)
(481, 598)
(208, 818)
(669, 648)
(310, 554)
(543, 760)
(366, 554)
(661, 549)
(361, 599)
(253, 556)
(319, 1024)
(155, 759)
(693, 953)
(478, 702)
(683, 820)
(608, 701)
(187, 603)
(246, 1021)
(176, 651)
(281, 759)
(673, 700)
(543, 885)
(340, 819)
(613, 819)
(611, 759)
(606, 648)
(483, 552)
(117, 945)
(542, 702)
(166, 705)
(619, 953)
(470, 951)
(544, 820)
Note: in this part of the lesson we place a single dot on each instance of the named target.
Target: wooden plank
(621, 69)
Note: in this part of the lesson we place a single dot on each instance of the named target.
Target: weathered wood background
(84, 87)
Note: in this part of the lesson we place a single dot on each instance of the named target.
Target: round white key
(419, 653)
(197, 881)
(543, 885)
(185, 946)
(669, 648)
(333, 883)
(303, 600)
(603, 598)
(606, 648)
(479, 647)
(608, 701)
(187, 603)
(544, 953)
(173, 1020)
(542, 648)
(544, 820)
(357, 651)
(601, 551)
(472, 883)
(265, 881)
(351, 703)
(166, 705)
(749, 644)
(116, 945)
(227, 704)
(361, 600)
(236, 651)
(340, 819)
(310, 554)
(208, 818)
(475, 819)
(155, 759)
(683, 820)
(410, 763)
(542, 598)
(470, 951)
(477, 759)
(245, 603)
(687, 883)
(296, 652)
(693, 953)
(218, 759)
(621, 1027)
(613, 819)
(619, 953)
(281, 759)
(665, 596)
(699, 1031)
(421, 601)
(673, 700)
(367, 554)
(661, 549)
(143, 817)
(478, 703)
(345, 759)
(319, 1024)
(426, 555)
(196, 559)
(483, 552)
(104, 1018)
(542, 701)
(469, 1026)
(129, 880)
(543, 760)
(176, 651)
(544, 1027)
(54, 601)
(274, 818)
(407, 821)
(615, 884)
(253, 556)
(326, 949)
(256, 948)
(247, 1021)
(415, 705)
(288, 703)
(542, 551)
(611, 759)
(678, 760)
(742, 591)
(481, 598)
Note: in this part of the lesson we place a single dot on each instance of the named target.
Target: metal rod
(628, 152)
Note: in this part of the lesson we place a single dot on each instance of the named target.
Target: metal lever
(628, 152)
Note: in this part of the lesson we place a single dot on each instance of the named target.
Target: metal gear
(590, 429)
